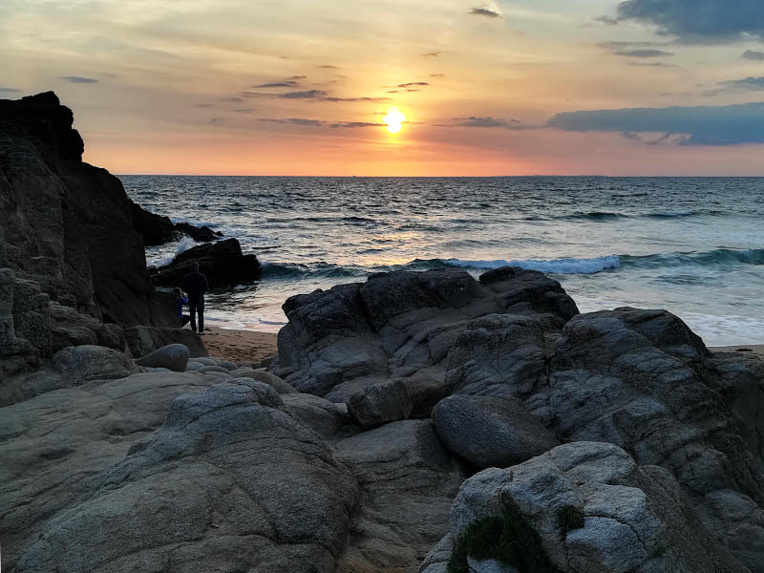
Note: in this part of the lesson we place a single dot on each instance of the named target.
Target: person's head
(195, 267)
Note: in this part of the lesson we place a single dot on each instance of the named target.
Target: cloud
(322, 123)
(431, 54)
(437, 75)
(284, 84)
(296, 121)
(487, 12)
(607, 20)
(308, 94)
(244, 110)
(216, 120)
(636, 49)
(343, 99)
(9, 91)
(753, 55)
(701, 125)
(291, 78)
(477, 121)
(643, 53)
(79, 80)
(698, 21)
(411, 84)
(653, 65)
(754, 84)
(356, 124)
(329, 67)
(234, 100)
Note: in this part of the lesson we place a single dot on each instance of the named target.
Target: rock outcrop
(223, 263)
(401, 323)
(67, 225)
(255, 489)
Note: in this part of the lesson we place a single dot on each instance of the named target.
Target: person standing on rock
(195, 285)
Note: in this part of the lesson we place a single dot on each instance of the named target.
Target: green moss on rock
(508, 538)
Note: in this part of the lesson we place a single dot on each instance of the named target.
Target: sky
(298, 87)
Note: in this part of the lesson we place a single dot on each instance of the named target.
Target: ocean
(694, 246)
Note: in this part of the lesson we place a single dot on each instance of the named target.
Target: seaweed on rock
(507, 538)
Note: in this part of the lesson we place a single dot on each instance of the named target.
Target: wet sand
(239, 345)
(757, 349)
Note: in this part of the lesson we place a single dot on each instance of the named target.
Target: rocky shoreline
(419, 421)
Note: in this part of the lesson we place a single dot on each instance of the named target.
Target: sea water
(694, 246)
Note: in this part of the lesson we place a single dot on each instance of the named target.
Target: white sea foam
(558, 266)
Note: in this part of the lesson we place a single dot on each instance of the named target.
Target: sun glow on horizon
(394, 120)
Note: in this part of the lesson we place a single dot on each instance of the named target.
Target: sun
(394, 120)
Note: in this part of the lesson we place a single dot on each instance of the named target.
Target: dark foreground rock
(143, 340)
(158, 230)
(223, 263)
(589, 507)
(255, 491)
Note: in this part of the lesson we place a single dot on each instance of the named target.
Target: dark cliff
(65, 224)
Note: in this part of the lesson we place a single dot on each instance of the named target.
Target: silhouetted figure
(181, 301)
(195, 284)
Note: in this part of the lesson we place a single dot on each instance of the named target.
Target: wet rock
(380, 404)
(491, 432)
(223, 263)
(173, 357)
(628, 517)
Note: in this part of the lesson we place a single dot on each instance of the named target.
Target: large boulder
(581, 507)
(173, 357)
(223, 263)
(491, 432)
(408, 481)
(54, 446)
(69, 367)
(254, 490)
(399, 324)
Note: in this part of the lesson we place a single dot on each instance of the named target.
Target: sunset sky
(297, 87)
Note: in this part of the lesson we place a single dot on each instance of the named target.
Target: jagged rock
(67, 225)
(490, 432)
(498, 355)
(54, 446)
(628, 517)
(255, 490)
(223, 263)
(158, 230)
(399, 323)
(265, 377)
(143, 340)
(173, 357)
(71, 328)
(408, 481)
(425, 392)
(322, 416)
(380, 404)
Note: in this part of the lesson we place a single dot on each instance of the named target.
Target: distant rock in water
(223, 263)
(158, 230)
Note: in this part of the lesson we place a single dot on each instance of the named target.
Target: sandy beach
(253, 346)
(240, 345)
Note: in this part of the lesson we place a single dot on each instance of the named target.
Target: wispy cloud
(329, 67)
(322, 123)
(752, 83)
(216, 120)
(313, 95)
(753, 55)
(431, 54)
(79, 80)
(9, 90)
(485, 122)
(486, 11)
(437, 75)
(412, 84)
(284, 84)
(643, 53)
(636, 49)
